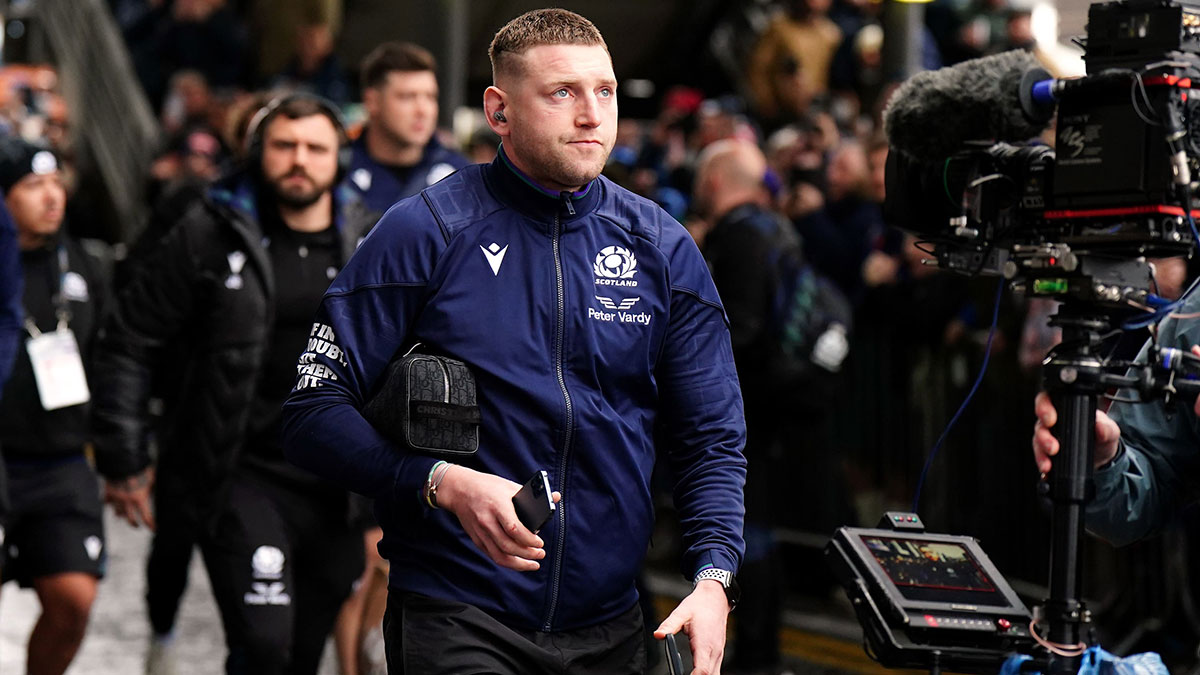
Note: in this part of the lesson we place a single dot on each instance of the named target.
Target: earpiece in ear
(499, 116)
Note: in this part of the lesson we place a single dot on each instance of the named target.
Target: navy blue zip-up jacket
(11, 289)
(597, 339)
(380, 186)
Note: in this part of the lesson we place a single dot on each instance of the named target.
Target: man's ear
(495, 110)
(371, 102)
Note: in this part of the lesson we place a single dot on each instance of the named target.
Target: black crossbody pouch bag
(427, 404)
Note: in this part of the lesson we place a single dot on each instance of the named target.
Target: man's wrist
(719, 579)
(714, 588)
(1111, 461)
(446, 492)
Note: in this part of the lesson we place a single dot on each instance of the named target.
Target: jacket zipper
(559, 339)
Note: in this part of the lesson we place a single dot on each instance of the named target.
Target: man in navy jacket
(11, 286)
(398, 154)
(597, 340)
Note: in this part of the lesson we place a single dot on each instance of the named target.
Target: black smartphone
(534, 503)
(674, 660)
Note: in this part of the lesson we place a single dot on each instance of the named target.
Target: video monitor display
(935, 571)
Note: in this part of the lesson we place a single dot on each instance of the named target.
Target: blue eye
(563, 93)
(606, 92)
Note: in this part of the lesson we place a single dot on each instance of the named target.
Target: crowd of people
(850, 352)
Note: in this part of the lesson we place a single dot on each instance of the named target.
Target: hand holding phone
(534, 502)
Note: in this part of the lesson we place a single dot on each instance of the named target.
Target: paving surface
(118, 634)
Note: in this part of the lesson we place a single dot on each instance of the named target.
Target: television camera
(1078, 222)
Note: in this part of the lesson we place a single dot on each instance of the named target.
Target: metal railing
(109, 110)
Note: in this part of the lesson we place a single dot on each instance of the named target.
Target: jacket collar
(518, 190)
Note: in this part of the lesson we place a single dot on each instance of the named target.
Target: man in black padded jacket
(226, 302)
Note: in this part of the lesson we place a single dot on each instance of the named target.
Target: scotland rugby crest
(615, 266)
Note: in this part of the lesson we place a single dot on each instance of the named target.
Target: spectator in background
(740, 238)
(274, 24)
(179, 178)
(188, 102)
(54, 539)
(793, 55)
(883, 263)
(200, 35)
(985, 27)
(858, 75)
(483, 146)
(398, 154)
(314, 68)
(839, 237)
(756, 261)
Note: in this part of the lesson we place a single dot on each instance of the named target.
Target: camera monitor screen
(937, 571)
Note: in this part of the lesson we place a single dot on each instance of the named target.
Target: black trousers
(169, 561)
(281, 564)
(427, 636)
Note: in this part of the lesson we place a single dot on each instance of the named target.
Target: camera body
(1077, 221)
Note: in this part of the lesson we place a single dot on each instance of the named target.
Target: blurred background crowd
(147, 101)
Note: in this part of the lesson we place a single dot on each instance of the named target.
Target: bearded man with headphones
(225, 301)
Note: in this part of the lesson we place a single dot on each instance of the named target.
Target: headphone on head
(257, 128)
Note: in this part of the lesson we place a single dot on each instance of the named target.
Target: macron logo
(495, 256)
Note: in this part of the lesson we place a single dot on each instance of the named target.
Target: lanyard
(61, 310)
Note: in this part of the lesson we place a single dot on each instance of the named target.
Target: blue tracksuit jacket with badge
(597, 340)
(380, 186)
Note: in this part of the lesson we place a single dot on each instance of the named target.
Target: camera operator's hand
(483, 504)
(702, 615)
(1045, 445)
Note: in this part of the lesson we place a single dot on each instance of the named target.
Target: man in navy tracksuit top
(597, 340)
(398, 154)
(11, 286)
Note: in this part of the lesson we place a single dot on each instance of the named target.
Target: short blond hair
(535, 28)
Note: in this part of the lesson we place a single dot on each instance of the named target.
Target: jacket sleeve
(142, 319)
(700, 415)
(363, 321)
(1158, 469)
(11, 289)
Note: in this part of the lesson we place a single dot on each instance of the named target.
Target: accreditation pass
(58, 369)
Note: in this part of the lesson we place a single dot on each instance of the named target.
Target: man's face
(37, 204)
(562, 114)
(405, 106)
(299, 160)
